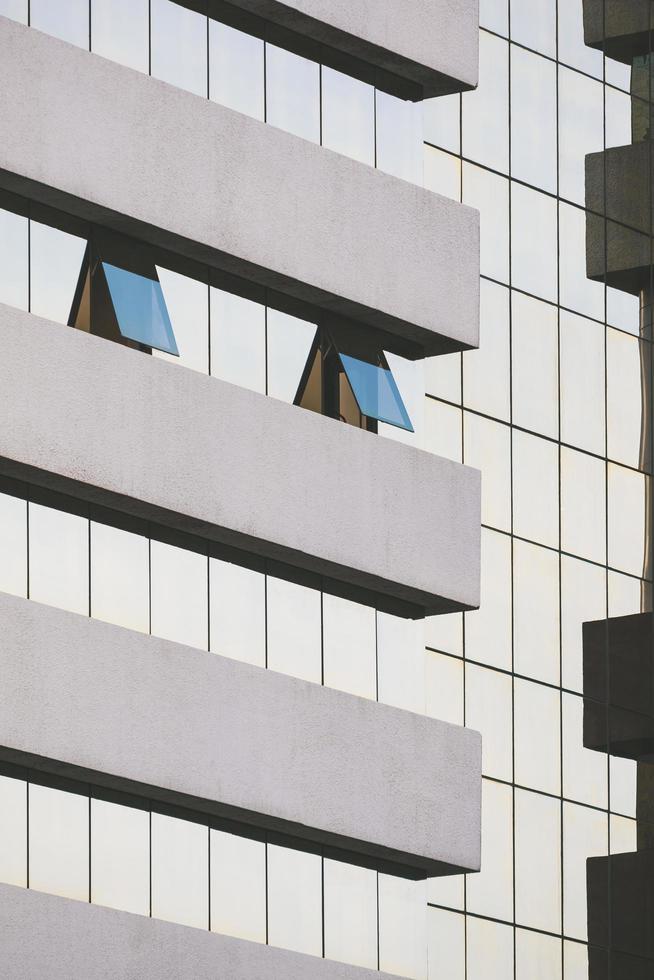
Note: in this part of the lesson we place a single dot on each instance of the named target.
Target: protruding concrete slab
(43, 937)
(113, 146)
(433, 44)
(377, 785)
(620, 28)
(117, 427)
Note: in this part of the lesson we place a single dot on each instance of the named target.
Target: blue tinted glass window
(376, 393)
(140, 309)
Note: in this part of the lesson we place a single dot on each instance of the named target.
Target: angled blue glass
(376, 392)
(140, 309)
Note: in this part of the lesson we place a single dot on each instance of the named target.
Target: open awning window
(376, 392)
(140, 309)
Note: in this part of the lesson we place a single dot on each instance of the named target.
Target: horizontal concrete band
(380, 786)
(433, 44)
(620, 28)
(619, 206)
(137, 155)
(196, 454)
(44, 937)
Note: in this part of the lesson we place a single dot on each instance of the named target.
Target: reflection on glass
(236, 69)
(536, 612)
(489, 949)
(537, 725)
(238, 886)
(627, 371)
(535, 365)
(491, 891)
(294, 900)
(350, 896)
(627, 519)
(59, 842)
(350, 650)
(66, 19)
(14, 259)
(585, 772)
(13, 831)
(577, 291)
(399, 137)
(538, 956)
(120, 857)
(238, 340)
(583, 505)
(581, 130)
(488, 697)
(293, 93)
(238, 612)
(187, 302)
(486, 110)
(294, 629)
(13, 545)
(488, 629)
(289, 343)
(348, 116)
(534, 26)
(488, 448)
(120, 572)
(55, 263)
(120, 31)
(533, 257)
(537, 861)
(573, 50)
(140, 309)
(486, 370)
(376, 392)
(533, 119)
(535, 489)
(180, 871)
(583, 599)
(179, 46)
(585, 834)
(489, 193)
(402, 927)
(59, 558)
(444, 687)
(14, 9)
(178, 583)
(582, 382)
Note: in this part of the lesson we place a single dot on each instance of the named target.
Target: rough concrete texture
(620, 28)
(195, 453)
(114, 146)
(383, 786)
(433, 43)
(36, 944)
(619, 213)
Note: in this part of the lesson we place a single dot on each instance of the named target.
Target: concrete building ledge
(433, 44)
(620, 28)
(134, 154)
(49, 938)
(196, 454)
(370, 783)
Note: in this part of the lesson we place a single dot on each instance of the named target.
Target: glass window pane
(350, 914)
(583, 505)
(534, 25)
(445, 633)
(535, 365)
(489, 193)
(494, 14)
(399, 137)
(376, 393)
(238, 886)
(238, 340)
(627, 365)
(180, 871)
(120, 857)
(585, 834)
(627, 519)
(187, 302)
(537, 956)
(401, 662)
(447, 944)
(572, 47)
(487, 447)
(237, 601)
(348, 116)
(585, 772)
(581, 130)
(56, 261)
(533, 257)
(59, 842)
(442, 122)
(488, 629)
(443, 176)
(13, 259)
(289, 343)
(120, 31)
(447, 891)
(486, 110)
(178, 595)
(583, 598)
(486, 371)
(140, 308)
(623, 788)
(533, 119)
(66, 19)
(489, 710)
(294, 900)
(292, 93)
(489, 948)
(15, 9)
(236, 69)
(537, 861)
(537, 724)
(294, 629)
(120, 577)
(578, 293)
(444, 687)
(490, 892)
(443, 377)
(179, 46)
(350, 648)
(535, 489)
(444, 430)
(582, 383)
(13, 831)
(402, 927)
(59, 559)
(536, 612)
(13, 545)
